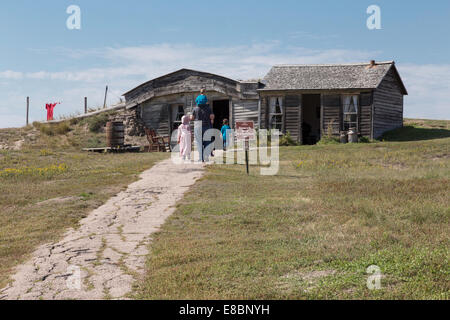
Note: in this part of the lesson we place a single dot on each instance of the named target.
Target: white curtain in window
(272, 104)
(273, 109)
(355, 103)
(280, 101)
(347, 101)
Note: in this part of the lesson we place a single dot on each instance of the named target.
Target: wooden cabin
(307, 101)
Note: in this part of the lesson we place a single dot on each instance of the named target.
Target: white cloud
(13, 75)
(148, 61)
(242, 62)
(429, 90)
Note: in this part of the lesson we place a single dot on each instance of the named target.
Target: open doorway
(221, 110)
(311, 118)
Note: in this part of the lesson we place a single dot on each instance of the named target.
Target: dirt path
(106, 255)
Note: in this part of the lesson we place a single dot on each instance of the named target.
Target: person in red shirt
(50, 107)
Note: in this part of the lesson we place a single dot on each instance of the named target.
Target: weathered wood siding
(331, 113)
(156, 98)
(181, 81)
(264, 109)
(365, 114)
(245, 110)
(379, 110)
(156, 116)
(292, 116)
(387, 105)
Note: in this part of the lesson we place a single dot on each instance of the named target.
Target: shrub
(37, 124)
(62, 128)
(46, 129)
(328, 140)
(53, 129)
(97, 122)
(286, 140)
(364, 140)
(74, 121)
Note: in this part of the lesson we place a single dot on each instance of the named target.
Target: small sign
(245, 130)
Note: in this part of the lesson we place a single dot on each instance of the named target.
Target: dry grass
(311, 231)
(49, 185)
(54, 129)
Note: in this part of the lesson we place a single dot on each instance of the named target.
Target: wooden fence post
(106, 93)
(85, 104)
(28, 109)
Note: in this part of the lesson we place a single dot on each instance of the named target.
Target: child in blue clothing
(224, 129)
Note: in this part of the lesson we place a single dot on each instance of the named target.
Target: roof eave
(322, 89)
(332, 64)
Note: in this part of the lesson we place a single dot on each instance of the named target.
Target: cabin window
(177, 114)
(350, 112)
(276, 113)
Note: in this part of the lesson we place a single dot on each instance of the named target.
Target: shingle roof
(327, 76)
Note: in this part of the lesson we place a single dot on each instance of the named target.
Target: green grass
(311, 231)
(50, 184)
(416, 130)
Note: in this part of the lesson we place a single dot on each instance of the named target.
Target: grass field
(308, 233)
(50, 184)
(312, 231)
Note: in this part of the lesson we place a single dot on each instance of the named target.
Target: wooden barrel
(115, 134)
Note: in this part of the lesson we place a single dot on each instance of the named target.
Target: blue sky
(124, 43)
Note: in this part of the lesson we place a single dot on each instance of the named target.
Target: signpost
(245, 131)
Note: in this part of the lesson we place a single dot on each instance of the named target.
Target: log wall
(292, 104)
(365, 114)
(331, 113)
(245, 110)
(387, 105)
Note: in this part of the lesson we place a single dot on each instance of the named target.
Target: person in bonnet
(184, 138)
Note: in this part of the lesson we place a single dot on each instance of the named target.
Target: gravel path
(106, 255)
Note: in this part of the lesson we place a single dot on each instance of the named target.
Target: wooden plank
(321, 116)
(300, 120)
(246, 110)
(387, 111)
(292, 115)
